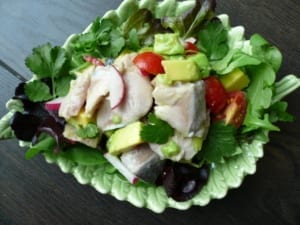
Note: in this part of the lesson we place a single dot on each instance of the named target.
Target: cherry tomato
(190, 48)
(215, 95)
(149, 63)
(236, 109)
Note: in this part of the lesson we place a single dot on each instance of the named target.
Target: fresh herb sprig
(47, 63)
(156, 130)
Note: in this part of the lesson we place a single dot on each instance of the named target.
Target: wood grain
(7, 88)
(28, 23)
(34, 192)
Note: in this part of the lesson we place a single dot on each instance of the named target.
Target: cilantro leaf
(220, 143)
(213, 40)
(104, 39)
(156, 131)
(62, 85)
(89, 131)
(113, 46)
(133, 40)
(37, 91)
(46, 61)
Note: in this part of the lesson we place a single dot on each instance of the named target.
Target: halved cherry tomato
(149, 63)
(215, 95)
(236, 109)
(191, 48)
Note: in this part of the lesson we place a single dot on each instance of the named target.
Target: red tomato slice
(149, 63)
(215, 95)
(236, 109)
(191, 48)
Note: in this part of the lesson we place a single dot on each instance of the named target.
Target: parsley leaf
(62, 85)
(37, 91)
(220, 143)
(104, 39)
(47, 63)
(213, 40)
(156, 131)
(133, 40)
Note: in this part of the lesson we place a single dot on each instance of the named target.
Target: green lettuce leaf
(266, 52)
(259, 94)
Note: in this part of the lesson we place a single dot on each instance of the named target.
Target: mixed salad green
(162, 98)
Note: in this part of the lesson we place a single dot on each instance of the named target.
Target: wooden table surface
(35, 193)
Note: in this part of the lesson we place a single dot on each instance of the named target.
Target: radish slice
(116, 162)
(191, 39)
(93, 60)
(116, 87)
(54, 104)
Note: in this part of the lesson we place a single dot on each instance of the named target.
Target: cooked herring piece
(75, 99)
(143, 162)
(183, 107)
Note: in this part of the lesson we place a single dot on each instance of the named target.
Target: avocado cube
(235, 80)
(181, 70)
(123, 139)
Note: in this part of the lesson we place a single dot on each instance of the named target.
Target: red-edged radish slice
(93, 60)
(54, 104)
(116, 88)
(191, 40)
(116, 162)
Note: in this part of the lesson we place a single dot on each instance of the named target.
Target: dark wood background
(35, 193)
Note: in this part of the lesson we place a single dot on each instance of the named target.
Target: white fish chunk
(187, 145)
(75, 99)
(98, 89)
(183, 106)
(70, 133)
(137, 100)
(105, 117)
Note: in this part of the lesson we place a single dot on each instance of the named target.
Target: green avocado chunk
(234, 81)
(125, 138)
(181, 70)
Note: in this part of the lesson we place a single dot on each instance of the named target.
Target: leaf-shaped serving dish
(223, 176)
(105, 179)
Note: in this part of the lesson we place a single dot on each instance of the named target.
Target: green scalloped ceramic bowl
(106, 180)
(224, 176)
